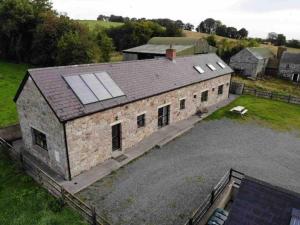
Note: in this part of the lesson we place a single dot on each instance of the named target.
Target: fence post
(271, 95)
(191, 221)
(94, 216)
(62, 192)
(22, 162)
(255, 92)
(290, 98)
(212, 198)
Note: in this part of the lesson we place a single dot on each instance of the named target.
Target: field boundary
(40, 176)
(245, 90)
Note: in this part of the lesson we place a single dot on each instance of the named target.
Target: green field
(92, 24)
(271, 84)
(24, 202)
(11, 76)
(273, 114)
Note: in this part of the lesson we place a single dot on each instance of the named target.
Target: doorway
(164, 116)
(295, 77)
(116, 137)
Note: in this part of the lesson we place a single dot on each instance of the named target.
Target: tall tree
(105, 43)
(281, 40)
(243, 33)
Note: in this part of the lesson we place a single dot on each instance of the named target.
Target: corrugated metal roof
(261, 53)
(175, 40)
(137, 79)
(157, 49)
(292, 58)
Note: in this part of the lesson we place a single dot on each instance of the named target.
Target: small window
(141, 120)
(182, 104)
(199, 69)
(210, 66)
(220, 89)
(221, 65)
(204, 96)
(195, 96)
(39, 139)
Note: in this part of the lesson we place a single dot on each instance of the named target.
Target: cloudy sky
(257, 16)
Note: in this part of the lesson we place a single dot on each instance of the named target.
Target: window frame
(182, 104)
(38, 138)
(221, 89)
(204, 96)
(141, 118)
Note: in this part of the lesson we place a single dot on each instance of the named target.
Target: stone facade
(34, 112)
(287, 70)
(89, 138)
(246, 63)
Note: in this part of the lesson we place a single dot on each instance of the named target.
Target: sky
(259, 17)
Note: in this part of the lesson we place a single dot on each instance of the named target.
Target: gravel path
(166, 185)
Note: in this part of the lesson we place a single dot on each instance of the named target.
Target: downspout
(67, 153)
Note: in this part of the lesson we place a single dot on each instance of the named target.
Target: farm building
(75, 117)
(157, 46)
(289, 67)
(252, 62)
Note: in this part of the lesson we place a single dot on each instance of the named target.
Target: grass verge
(11, 76)
(274, 114)
(24, 202)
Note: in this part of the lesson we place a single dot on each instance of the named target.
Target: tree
(75, 48)
(106, 46)
(212, 40)
(172, 30)
(293, 43)
(272, 37)
(189, 26)
(281, 40)
(222, 30)
(232, 32)
(243, 33)
(103, 18)
(209, 26)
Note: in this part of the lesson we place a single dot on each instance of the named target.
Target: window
(199, 69)
(210, 66)
(220, 89)
(39, 139)
(204, 96)
(221, 65)
(116, 133)
(141, 121)
(182, 104)
(195, 96)
(163, 116)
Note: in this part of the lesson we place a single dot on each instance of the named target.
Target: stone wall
(246, 62)
(11, 133)
(286, 71)
(89, 138)
(34, 112)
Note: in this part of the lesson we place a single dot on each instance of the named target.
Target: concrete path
(157, 139)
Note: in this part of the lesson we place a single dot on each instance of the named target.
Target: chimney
(280, 52)
(171, 53)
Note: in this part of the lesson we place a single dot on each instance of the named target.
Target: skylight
(221, 65)
(210, 66)
(199, 69)
(91, 88)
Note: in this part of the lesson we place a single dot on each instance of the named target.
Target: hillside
(105, 24)
(218, 38)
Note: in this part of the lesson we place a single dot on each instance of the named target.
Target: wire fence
(199, 214)
(87, 212)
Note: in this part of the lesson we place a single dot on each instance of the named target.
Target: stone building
(289, 67)
(252, 62)
(156, 47)
(75, 117)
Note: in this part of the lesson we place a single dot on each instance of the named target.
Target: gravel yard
(166, 185)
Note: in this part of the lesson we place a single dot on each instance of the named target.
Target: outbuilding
(75, 117)
(290, 67)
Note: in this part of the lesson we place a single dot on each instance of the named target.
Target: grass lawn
(271, 84)
(11, 76)
(92, 24)
(24, 202)
(274, 114)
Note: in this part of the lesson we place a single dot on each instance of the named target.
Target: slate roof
(137, 79)
(259, 203)
(292, 58)
(157, 49)
(261, 53)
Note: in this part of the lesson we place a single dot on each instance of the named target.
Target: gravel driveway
(166, 185)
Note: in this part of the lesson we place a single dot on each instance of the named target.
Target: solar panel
(110, 85)
(96, 86)
(210, 66)
(82, 91)
(221, 65)
(199, 69)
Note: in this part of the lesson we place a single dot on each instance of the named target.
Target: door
(295, 77)
(163, 116)
(116, 137)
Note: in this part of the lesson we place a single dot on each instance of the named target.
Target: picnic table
(240, 110)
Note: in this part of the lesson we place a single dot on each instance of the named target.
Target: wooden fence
(199, 214)
(87, 212)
